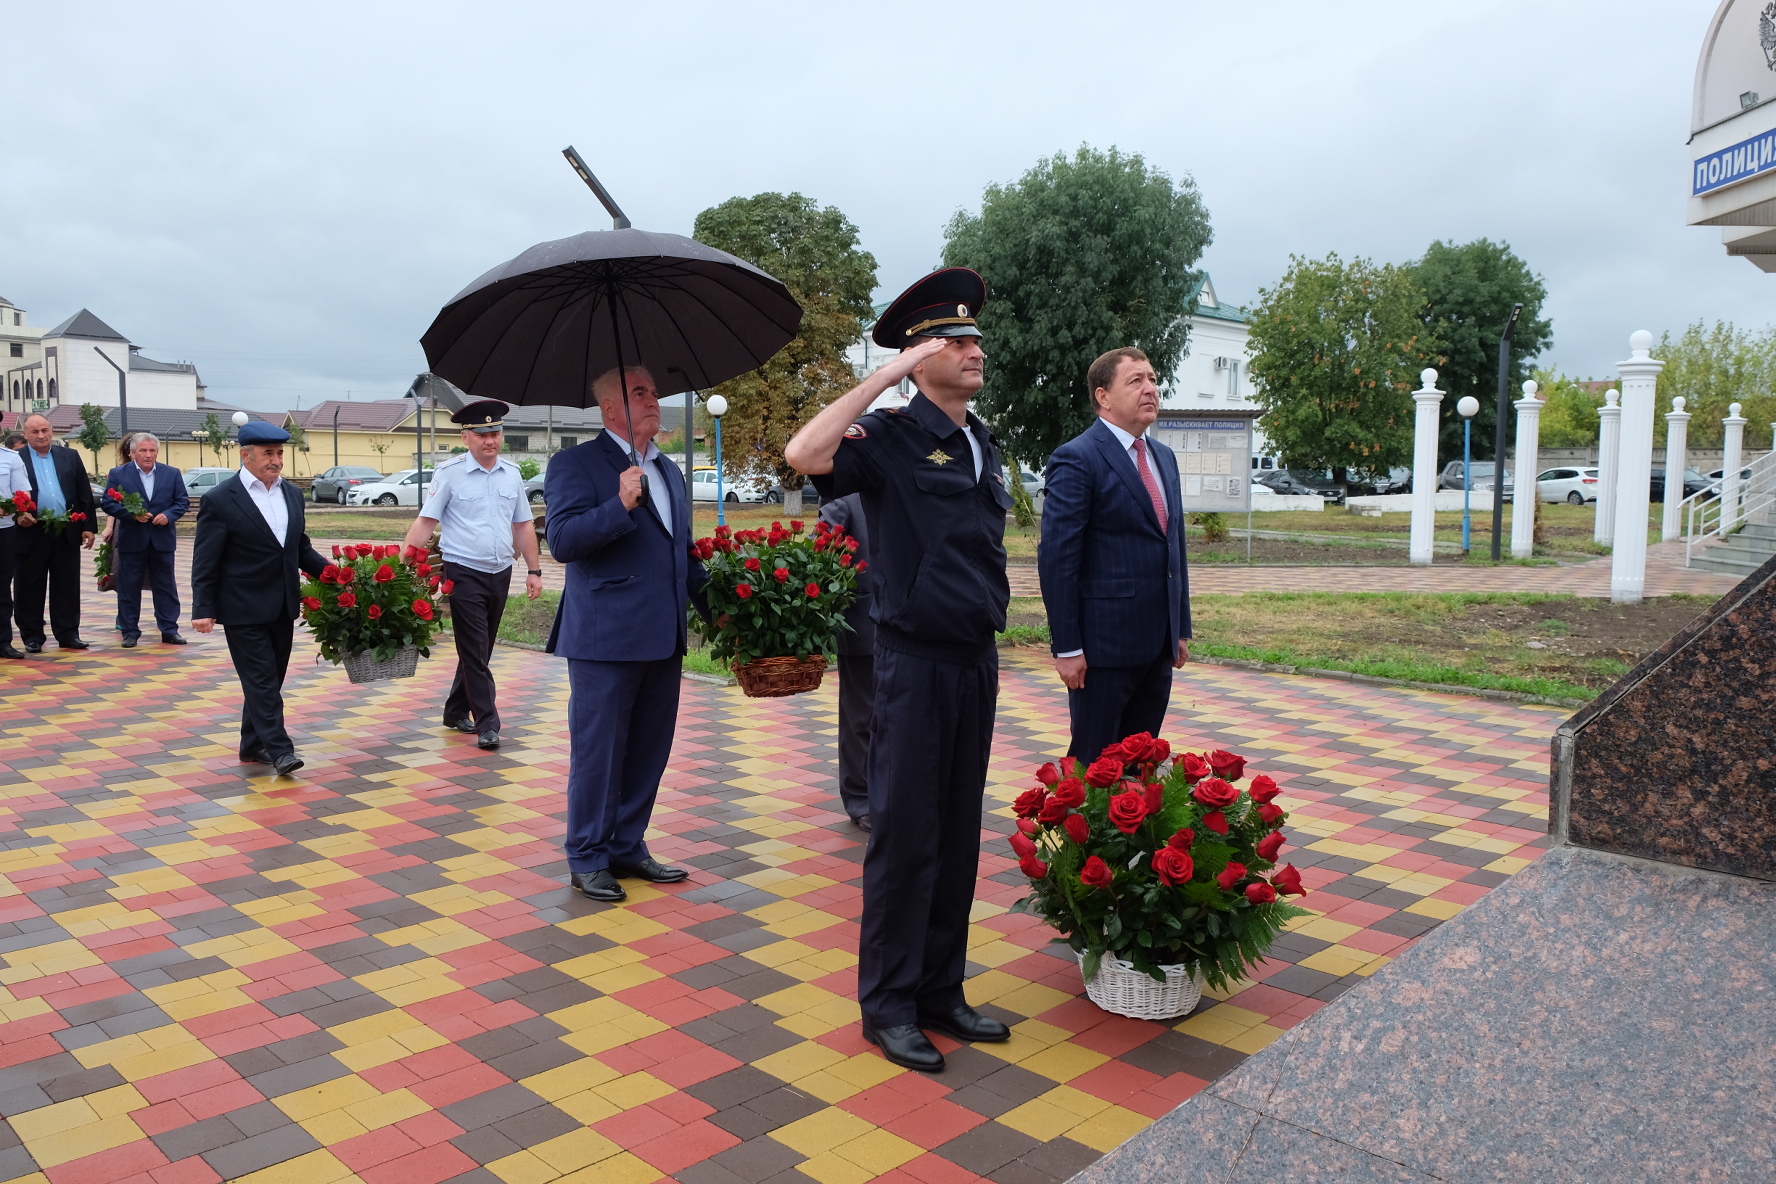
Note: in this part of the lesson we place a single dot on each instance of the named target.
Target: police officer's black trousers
(857, 704)
(927, 778)
(477, 604)
(261, 656)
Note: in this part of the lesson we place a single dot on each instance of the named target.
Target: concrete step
(1759, 530)
(1732, 559)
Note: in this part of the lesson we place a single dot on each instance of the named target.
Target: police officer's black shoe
(254, 756)
(965, 1023)
(906, 1046)
(652, 870)
(461, 723)
(599, 885)
(489, 740)
(74, 643)
(33, 647)
(11, 651)
(861, 822)
(172, 639)
(286, 764)
(129, 643)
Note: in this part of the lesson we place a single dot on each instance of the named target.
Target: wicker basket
(771, 678)
(1123, 990)
(363, 668)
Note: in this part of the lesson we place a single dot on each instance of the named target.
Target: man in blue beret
(245, 573)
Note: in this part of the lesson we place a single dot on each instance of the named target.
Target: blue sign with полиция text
(1729, 166)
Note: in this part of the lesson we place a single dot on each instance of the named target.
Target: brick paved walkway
(374, 972)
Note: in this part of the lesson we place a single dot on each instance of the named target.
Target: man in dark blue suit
(145, 542)
(621, 626)
(1112, 562)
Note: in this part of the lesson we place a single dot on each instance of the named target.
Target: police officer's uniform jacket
(476, 509)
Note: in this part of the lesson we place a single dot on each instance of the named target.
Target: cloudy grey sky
(287, 195)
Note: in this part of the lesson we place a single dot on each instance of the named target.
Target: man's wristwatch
(538, 573)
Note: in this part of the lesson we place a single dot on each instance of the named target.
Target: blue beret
(259, 431)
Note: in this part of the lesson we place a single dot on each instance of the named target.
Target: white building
(77, 361)
(1733, 131)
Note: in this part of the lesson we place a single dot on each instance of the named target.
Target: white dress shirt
(13, 479)
(1128, 445)
(650, 464)
(147, 481)
(270, 500)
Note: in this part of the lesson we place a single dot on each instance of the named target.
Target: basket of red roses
(372, 610)
(776, 600)
(1158, 872)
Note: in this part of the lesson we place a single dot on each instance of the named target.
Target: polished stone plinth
(1597, 1018)
(1677, 761)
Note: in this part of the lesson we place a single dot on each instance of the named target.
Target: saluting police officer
(935, 498)
(478, 500)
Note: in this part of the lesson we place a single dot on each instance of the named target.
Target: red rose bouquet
(133, 504)
(19, 503)
(780, 593)
(1158, 861)
(372, 600)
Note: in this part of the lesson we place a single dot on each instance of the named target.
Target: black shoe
(33, 647)
(11, 651)
(76, 644)
(489, 740)
(965, 1023)
(861, 822)
(598, 885)
(905, 1045)
(254, 756)
(286, 764)
(172, 639)
(462, 724)
(652, 870)
(129, 643)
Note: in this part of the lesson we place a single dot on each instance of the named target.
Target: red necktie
(1159, 501)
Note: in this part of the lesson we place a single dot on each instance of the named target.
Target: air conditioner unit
(1223, 363)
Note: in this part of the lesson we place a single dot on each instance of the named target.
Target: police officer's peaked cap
(943, 304)
(259, 431)
(482, 416)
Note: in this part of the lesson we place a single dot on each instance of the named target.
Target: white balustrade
(1677, 460)
(1424, 469)
(1634, 470)
(1524, 493)
(1609, 449)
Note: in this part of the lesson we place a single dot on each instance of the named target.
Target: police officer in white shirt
(477, 503)
(13, 479)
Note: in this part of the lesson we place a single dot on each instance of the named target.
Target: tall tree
(1336, 351)
(1470, 289)
(1713, 369)
(1080, 256)
(1569, 413)
(813, 250)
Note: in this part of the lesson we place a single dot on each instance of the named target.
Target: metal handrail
(1751, 493)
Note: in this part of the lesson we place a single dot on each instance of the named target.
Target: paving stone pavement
(374, 972)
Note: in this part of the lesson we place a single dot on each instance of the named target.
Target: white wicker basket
(363, 668)
(1121, 989)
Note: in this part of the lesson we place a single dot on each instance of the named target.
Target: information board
(1214, 461)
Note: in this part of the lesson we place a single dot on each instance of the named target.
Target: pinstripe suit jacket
(1115, 585)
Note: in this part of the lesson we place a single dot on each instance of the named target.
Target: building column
(1677, 459)
(1634, 470)
(1524, 493)
(1609, 449)
(1732, 460)
(1424, 469)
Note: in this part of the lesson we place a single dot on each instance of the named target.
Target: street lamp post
(1469, 407)
(122, 392)
(200, 436)
(718, 407)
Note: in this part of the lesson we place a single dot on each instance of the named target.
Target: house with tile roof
(78, 362)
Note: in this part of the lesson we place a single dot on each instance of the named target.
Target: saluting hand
(629, 487)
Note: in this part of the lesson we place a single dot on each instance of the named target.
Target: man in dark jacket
(245, 573)
(49, 558)
(1111, 561)
(145, 542)
(857, 666)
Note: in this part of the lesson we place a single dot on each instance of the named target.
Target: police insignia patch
(940, 457)
(856, 432)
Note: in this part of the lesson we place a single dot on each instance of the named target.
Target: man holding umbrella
(935, 498)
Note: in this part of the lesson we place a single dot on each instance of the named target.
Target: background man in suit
(244, 573)
(1112, 563)
(857, 666)
(145, 543)
(49, 561)
(621, 627)
(13, 479)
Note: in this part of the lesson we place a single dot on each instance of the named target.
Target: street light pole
(336, 434)
(122, 392)
(718, 407)
(1498, 435)
(1469, 407)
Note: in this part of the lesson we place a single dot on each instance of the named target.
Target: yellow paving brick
(329, 1095)
(1041, 1119)
(1440, 909)
(828, 1088)
(566, 1080)
(1109, 1128)
(795, 1000)
(633, 1089)
(317, 1167)
(386, 1109)
(833, 1168)
(587, 1106)
(1063, 1062)
(1325, 929)
(878, 1152)
(621, 1168)
(1337, 960)
(821, 1131)
(1254, 1039)
(865, 1070)
(87, 1139)
(575, 1150)
(799, 1060)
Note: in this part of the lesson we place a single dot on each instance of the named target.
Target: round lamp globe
(240, 419)
(1468, 405)
(717, 406)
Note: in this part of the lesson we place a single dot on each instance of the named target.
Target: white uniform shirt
(13, 479)
(270, 500)
(476, 509)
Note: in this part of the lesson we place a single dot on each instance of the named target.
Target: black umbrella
(540, 328)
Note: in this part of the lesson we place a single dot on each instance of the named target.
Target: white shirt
(147, 481)
(13, 478)
(650, 464)
(476, 508)
(270, 500)
(1128, 445)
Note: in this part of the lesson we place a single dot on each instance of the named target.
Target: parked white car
(1575, 486)
(703, 488)
(405, 488)
(200, 481)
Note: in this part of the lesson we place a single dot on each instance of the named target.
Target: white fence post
(1732, 460)
(1677, 460)
(1525, 493)
(1609, 441)
(1424, 469)
(1634, 470)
